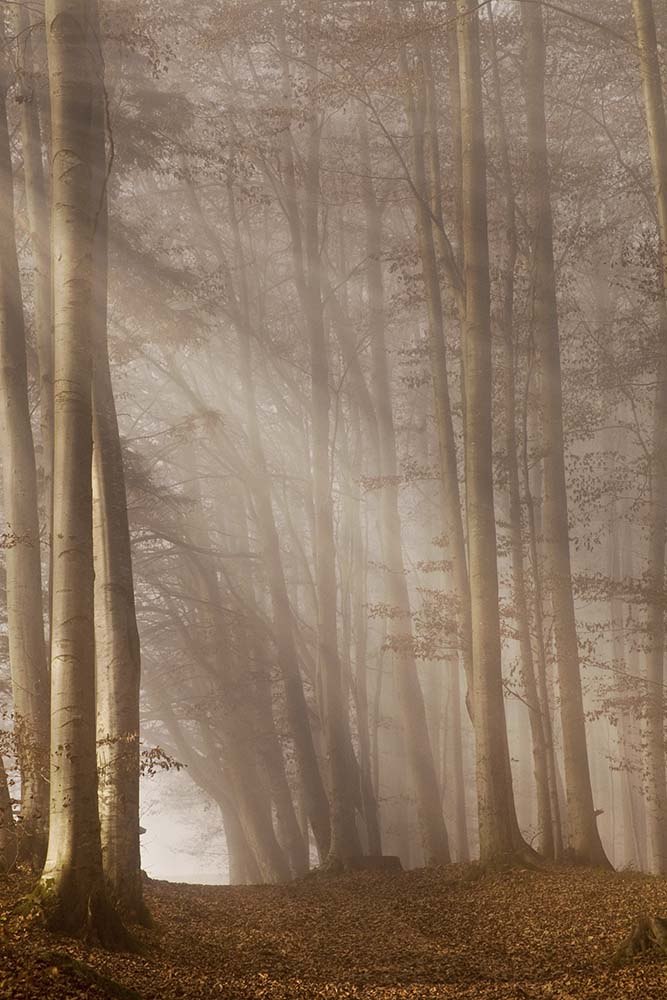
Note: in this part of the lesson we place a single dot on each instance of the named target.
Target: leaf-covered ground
(440, 933)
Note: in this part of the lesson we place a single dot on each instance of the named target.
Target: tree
(72, 888)
(584, 838)
(418, 747)
(499, 835)
(656, 123)
(27, 651)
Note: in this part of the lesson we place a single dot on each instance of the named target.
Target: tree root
(522, 858)
(334, 866)
(97, 923)
(648, 934)
(87, 975)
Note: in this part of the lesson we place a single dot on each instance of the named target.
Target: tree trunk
(449, 472)
(345, 843)
(655, 673)
(117, 650)
(498, 828)
(38, 225)
(411, 700)
(315, 796)
(545, 834)
(27, 653)
(72, 885)
(584, 839)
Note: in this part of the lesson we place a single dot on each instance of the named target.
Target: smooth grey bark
(72, 883)
(27, 652)
(584, 840)
(499, 834)
(656, 122)
(545, 831)
(37, 211)
(117, 649)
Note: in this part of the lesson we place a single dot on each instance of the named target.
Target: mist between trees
(379, 505)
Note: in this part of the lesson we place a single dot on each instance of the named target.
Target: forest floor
(440, 933)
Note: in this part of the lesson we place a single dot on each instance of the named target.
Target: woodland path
(439, 933)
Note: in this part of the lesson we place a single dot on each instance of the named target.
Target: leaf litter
(455, 932)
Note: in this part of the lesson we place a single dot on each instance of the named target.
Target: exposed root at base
(648, 934)
(85, 974)
(97, 922)
(366, 863)
(527, 859)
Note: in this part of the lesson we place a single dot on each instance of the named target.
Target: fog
(362, 307)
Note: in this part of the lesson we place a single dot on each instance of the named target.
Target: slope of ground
(440, 933)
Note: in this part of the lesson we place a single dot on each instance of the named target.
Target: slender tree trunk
(498, 828)
(411, 700)
(315, 796)
(117, 650)
(655, 672)
(584, 839)
(640, 812)
(345, 843)
(359, 601)
(451, 497)
(216, 649)
(38, 224)
(619, 660)
(539, 629)
(454, 716)
(27, 653)
(545, 835)
(270, 753)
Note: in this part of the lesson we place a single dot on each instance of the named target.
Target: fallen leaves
(429, 934)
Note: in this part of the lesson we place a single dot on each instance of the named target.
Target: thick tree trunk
(72, 885)
(584, 838)
(27, 652)
(656, 122)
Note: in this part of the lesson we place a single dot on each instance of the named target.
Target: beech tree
(657, 134)
(27, 652)
(72, 885)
